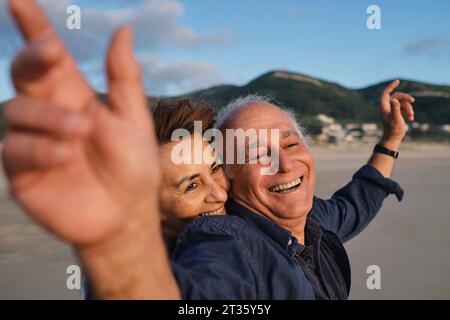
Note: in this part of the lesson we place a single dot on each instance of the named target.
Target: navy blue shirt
(247, 256)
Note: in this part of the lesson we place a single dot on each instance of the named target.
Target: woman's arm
(88, 171)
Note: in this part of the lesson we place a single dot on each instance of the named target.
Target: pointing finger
(391, 87)
(385, 97)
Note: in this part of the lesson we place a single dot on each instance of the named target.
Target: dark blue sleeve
(351, 208)
(218, 268)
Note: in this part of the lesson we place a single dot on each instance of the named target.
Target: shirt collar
(265, 225)
(280, 235)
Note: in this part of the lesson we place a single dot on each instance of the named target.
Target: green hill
(309, 96)
(432, 103)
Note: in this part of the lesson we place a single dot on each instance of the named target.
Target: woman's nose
(216, 194)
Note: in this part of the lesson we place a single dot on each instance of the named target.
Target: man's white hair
(241, 102)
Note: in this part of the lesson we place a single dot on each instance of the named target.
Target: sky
(185, 45)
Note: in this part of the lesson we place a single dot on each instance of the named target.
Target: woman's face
(191, 190)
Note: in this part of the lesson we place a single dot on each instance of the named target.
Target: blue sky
(192, 44)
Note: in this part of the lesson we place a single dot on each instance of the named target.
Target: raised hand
(393, 106)
(82, 168)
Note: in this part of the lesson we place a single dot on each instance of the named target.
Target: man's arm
(392, 109)
(351, 208)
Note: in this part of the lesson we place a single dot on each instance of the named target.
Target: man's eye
(292, 145)
(191, 187)
(216, 168)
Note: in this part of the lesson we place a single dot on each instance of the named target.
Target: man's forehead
(258, 115)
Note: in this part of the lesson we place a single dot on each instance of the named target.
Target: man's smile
(288, 186)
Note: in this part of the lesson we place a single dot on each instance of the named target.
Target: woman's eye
(216, 168)
(292, 145)
(191, 187)
(263, 156)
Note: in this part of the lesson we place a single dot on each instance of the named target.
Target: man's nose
(216, 194)
(286, 162)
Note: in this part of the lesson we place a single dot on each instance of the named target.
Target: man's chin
(293, 211)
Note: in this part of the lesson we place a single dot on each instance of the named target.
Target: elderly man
(279, 241)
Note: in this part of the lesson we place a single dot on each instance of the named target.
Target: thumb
(126, 92)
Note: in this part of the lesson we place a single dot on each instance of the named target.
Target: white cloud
(430, 46)
(155, 22)
(157, 27)
(179, 76)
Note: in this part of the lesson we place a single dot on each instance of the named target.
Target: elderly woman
(187, 190)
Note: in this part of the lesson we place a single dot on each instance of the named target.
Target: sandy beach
(408, 240)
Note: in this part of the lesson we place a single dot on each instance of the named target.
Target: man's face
(287, 195)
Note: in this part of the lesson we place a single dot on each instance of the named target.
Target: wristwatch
(380, 149)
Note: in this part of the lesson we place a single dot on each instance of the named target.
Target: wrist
(137, 220)
(128, 264)
(391, 143)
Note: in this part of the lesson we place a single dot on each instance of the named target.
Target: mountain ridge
(309, 96)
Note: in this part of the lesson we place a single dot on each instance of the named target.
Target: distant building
(355, 134)
(370, 130)
(354, 131)
(331, 131)
(325, 119)
(423, 127)
(352, 126)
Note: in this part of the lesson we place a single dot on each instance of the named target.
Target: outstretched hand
(79, 166)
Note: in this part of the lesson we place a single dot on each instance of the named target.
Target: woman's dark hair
(171, 115)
